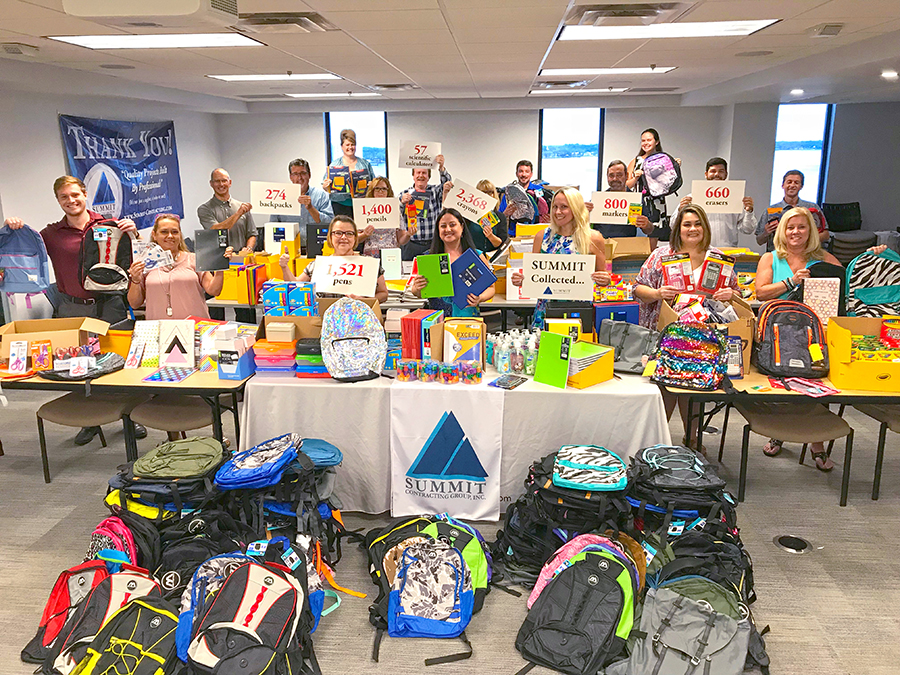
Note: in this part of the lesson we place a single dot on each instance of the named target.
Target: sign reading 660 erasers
(558, 276)
(719, 196)
(419, 154)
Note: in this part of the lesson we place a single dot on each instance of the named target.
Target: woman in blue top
(342, 202)
(454, 239)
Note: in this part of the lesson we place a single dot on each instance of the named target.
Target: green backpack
(472, 551)
(193, 457)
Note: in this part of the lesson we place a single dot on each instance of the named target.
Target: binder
(470, 275)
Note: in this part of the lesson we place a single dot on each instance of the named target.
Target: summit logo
(447, 465)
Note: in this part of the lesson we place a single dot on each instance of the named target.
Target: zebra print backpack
(589, 467)
(873, 284)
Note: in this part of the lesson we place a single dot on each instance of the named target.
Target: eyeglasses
(380, 189)
(343, 233)
(300, 174)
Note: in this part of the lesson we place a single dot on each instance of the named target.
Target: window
(801, 142)
(570, 147)
(371, 136)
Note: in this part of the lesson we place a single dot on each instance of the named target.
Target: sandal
(772, 448)
(823, 461)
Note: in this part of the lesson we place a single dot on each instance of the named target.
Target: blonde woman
(374, 240)
(489, 238)
(568, 233)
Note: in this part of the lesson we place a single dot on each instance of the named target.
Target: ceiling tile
(404, 37)
(411, 20)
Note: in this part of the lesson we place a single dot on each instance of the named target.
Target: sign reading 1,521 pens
(350, 275)
(419, 154)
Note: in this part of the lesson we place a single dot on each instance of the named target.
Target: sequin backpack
(353, 343)
(691, 356)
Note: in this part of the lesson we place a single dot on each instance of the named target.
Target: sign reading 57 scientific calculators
(612, 208)
(382, 213)
(353, 275)
(275, 197)
(719, 196)
(419, 154)
(469, 201)
(557, 276)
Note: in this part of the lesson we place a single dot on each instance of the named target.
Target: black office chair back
(843, 217)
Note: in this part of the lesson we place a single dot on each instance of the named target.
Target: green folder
(552, 365)
(436, 268)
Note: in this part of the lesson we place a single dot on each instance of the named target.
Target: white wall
(863, 166)
(476, 145)
(32, 156)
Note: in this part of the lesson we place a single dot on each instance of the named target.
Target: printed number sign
(611, 208)
(470, 202)
(558, 276)
(353, 275)
(275, 197)
(380, 212)
(719, 196)
(418, 154)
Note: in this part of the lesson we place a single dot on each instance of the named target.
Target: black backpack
(787, 335)
(105, 257)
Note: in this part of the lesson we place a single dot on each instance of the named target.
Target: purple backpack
(662, 175)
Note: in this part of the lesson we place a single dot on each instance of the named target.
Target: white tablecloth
(623, 415)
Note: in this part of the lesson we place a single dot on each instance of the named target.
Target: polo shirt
(215, 211)
(63, 244)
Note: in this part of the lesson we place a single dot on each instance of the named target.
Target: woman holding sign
(374, 240)
(453, 239)
(569, 233)
(492, 231)
(173, 291)
(353, 180)
(342, 237)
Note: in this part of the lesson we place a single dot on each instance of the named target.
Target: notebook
(209, 248)
(552, 365)
(470, 275)
(436, 268)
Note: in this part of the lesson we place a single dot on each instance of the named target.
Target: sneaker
(86, 435)
(140, 431)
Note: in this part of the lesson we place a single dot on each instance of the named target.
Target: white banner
(379, 212)
(445, 450)
(557, 276)
(418, 154)
(469, 201)
(275, 197)
(719, 196)
(353, 275)
(612, 208)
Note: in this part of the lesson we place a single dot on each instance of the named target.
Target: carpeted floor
(833, 611)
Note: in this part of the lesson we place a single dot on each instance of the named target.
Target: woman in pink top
(173, 291)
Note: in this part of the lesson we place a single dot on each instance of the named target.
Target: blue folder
(470, 275)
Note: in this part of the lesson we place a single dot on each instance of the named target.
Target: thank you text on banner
(130, 169)
(445, 450)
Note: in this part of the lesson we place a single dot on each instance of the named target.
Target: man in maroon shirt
(63, 242)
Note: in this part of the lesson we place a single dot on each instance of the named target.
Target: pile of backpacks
(210, 562)
(634, 571)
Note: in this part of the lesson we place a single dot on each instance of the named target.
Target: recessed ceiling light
(796, 92)
(167, 41)
(275, 77)
(581, 72)
(335, 95)
(889, 74)
(666, 30)
(568, 92)
(116, 66)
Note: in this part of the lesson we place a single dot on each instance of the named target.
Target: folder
(435, 267)
(470, 275)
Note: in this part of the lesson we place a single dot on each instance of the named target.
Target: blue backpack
(322, 453)
(261, 466)
(23, 261)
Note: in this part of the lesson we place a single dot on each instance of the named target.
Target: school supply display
(415, 329)
(790, 341)
(471, 275)
(176, 343)
(690, 356)
(24, 265)
(677, 271)
(209, 250)
(552, 367)
(103, 364)
(275, 358)
(435, 267)
(508, 382)
(151, 254)
(464, 339)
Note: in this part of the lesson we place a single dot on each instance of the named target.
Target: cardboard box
(862, 375)
(744, 327)
(599, 371)
(311, 326)
(234, 367)
(437, 339)
(500, 284)
(70, 332)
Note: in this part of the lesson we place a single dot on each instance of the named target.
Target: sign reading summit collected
(557, 276)
(130, 169)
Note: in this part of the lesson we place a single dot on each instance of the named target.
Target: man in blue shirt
(315, 204)
(426, 200)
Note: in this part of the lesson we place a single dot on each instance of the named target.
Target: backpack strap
(376, 644)
(703, 641)
(526, 668)
(451, 658)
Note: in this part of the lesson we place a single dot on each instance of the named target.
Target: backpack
(630, 342)
(719, 558)
(691, 356)
(139, 639)
(23, 261)
(583, 617)
(824, 270)
(260, 466)
(661, 175)
(146, 539)
(589, 467)
(193, 457)
(105, 257)
(786, 334)
(106, 363)
(431, 595)
(353, 343)
(105, 599)
(469, 542)
(71, 588)
(873, 285)
(689, 625)
(112, 533)
(239, 633)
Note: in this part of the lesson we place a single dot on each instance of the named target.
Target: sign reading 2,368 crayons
(469, 201)
(557, 276)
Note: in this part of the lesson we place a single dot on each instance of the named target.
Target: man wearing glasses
(315, 204)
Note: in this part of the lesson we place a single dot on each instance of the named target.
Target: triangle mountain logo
(448, 455)
(104, 194)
